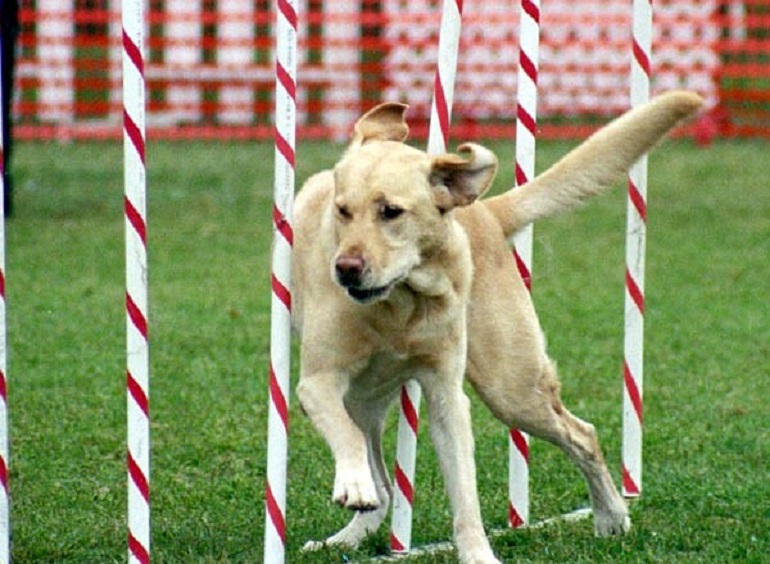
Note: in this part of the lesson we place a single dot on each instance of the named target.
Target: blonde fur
(595, 166)
(400, 273)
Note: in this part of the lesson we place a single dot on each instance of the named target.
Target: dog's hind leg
(579, 441)
(533, 404)
(511, 372)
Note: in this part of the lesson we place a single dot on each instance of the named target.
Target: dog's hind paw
(612, 525)
(355, 490)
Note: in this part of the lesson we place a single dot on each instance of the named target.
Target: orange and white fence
(210, 69)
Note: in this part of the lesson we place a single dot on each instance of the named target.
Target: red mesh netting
(210, 65)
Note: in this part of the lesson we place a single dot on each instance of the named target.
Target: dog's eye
(389, 212)
(344, 212)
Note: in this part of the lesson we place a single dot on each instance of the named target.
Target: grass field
(707, 446)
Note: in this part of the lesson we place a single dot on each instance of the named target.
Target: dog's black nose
(349, 270)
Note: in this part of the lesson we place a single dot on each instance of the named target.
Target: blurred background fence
(210, 65)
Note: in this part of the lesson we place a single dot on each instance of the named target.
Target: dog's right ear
(382, 123)
(459, 180)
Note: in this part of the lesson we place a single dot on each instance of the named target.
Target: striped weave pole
(5, 502)
(137, 349)
(280, 320)
(636, 231)
(526, 124)
(438, 139)
(404, 472)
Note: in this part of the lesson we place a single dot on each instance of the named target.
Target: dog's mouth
(368, 295)
(371, 295)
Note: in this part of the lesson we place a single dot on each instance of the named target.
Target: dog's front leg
(364, 523)
(450, 429)
(322, 398)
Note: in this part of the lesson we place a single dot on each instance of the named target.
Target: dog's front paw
(312, 546)
(479, 557)
(473, 547)
(612, 524)
(355, 489)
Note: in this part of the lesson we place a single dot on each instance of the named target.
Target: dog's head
(393, 203)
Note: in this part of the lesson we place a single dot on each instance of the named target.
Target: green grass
(707, 446)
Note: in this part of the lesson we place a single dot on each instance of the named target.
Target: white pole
(636, 232)
(438, 137)
(137, 303)
(526, 120)
(5, 502)
(280, 320)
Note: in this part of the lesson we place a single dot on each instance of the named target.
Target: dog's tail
(596, 165)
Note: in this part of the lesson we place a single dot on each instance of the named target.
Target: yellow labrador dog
(400, 272)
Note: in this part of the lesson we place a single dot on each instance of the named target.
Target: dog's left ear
(383, 123)
(458, 180)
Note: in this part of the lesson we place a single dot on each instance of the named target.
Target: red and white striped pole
(404, 472)
(526, 131)
(280, 320)
(636, 232)
(137, 349)
(438, 138)
(5, 502)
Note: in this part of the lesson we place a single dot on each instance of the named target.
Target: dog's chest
(384, 373)
(410, 325)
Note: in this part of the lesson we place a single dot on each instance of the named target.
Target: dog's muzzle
(350, 271)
